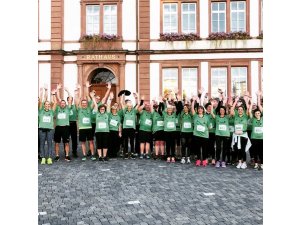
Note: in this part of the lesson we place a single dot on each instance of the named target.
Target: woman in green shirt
(158, 129)
(46, 128)
(170, 132)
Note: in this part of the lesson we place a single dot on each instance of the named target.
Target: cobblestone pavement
(145, 192)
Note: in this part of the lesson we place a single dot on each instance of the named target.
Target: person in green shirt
(257, 133)
(145, 130)
(200, 132)
(158, 129)
(85, 125)
(46, 128)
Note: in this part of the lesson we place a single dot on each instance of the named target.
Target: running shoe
(56, 158)
(101, 159)
(93, 158)
(173, 160)
(244, 165)
(49, 161)
(223, 164)
(74, 154)
(43, 162)
(125, 156)
(198, 162)
(204, 163)
(168, 159)
(182, 160)
(217, 164)
(261, 166)
(239, 165)
(141, 156)
(105, 159)
(83, 158)
(147, 156)
(188, 160)
(256, 166)
(213, 161)
(68, 159)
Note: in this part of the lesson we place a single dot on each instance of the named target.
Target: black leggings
(170, 143)
(114, 143)
(128, 133)
(257, 149)
(186, 140)
(211, 151)
(241, 153)
(200, 142)
(224, 149)
(73, 134)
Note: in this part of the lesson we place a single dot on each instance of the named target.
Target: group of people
(221, 129)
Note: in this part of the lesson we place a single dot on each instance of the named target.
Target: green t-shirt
(102, 120)
(257, 128)
(231, 124)
(62, 116)
(145, 121)
(84, 118)
(200, 126)
(222, 126)
(186, 122)
(73, 113)
(157, 122)
(114, 122)
(178, 122)
(240, 123)
(211, 124)
(46, 119)
(93, 116)
(169, 122)
(129, 118)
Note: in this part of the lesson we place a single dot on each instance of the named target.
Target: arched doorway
(99, 79)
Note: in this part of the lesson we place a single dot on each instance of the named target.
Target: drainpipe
(137, 45)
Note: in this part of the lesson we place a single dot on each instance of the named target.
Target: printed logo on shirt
(200, 128)
(222, 127)
(102, 125)
(47, 119)
(61, 116)
(129, 122)
(170, 125)
(114, 123)
(85, 120)
(148, 122)
(258, 130)
(187, 125)
(160, 123)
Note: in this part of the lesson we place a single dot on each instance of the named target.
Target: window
(218, 17)
(238, 16)
(262, 77)
(170, 18)
(189, 82)
(170, 79)
(92, 19)
(189, 18)
(110, 19)
(238, 80)
(218, 80)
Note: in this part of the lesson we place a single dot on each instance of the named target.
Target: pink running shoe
(198, 162)
(204, 163)
(173, 160)
(168, 159)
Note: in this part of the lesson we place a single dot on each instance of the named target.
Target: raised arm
(141, 105)
(193, 105)
(232, 113)
(45, 93)
(136, 97)
(53, 99)
(259, 94)
(76, 98)
(106, 93)
(109, 100)
(58, 87)
(92, 94)
(87, 85)
(40, 103)
(249, 112)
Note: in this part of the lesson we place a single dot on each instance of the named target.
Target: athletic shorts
(145, 136)
(159, 135)
(62, 132)
(86, 134)
(102, 139)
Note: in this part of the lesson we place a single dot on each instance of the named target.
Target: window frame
(211, 21)
(195, 28)
(86, 24)
(238, 11)
(110, 15)
(217, 67)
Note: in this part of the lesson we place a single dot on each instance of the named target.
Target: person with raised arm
(158, 129)
(129, 126)
(257, 133)
(115, 128)
(200, 132)
(240, 140)
(145, 134)
(62, 113)
(46, 127)
(85, 126)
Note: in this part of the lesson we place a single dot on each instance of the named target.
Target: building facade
(150, 46)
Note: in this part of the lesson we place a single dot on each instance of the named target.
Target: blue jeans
(46, 135)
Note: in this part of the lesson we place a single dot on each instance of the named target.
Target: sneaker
(125, 156)
(83, 158)
(68, 159)
(213, 161)
(39, 157)
(56, 158)
(182, 160)
(261, 166)
(89, 153)
(173, 160)
(217, 164)
(132, 156)
(93, 158)
(147, 156)
(74, 154)
(49, 161)
(256, 166)
(168, 159)
(188, 160)
(141, 156)
(101, 159)
(204, 163)
(198, 162)
(239, 165)
(244, 165)
(43, 162)
(105, 159)
(223, 164)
